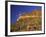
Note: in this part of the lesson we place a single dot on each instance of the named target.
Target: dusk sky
(19, 9)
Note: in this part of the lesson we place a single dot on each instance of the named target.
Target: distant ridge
(35, 13)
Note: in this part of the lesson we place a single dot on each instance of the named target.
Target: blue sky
(19, 9)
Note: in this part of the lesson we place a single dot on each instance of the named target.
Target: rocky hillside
(28, 22)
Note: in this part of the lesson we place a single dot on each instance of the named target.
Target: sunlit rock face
(29, 22)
